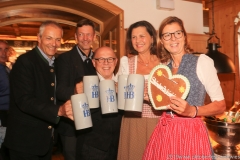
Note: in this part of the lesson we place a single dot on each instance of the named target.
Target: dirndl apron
(177, 138)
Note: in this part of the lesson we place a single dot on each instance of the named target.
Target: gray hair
(49, 23)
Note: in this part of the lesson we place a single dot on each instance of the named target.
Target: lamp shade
(222, 62)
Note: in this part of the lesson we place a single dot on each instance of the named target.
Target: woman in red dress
(180, 132)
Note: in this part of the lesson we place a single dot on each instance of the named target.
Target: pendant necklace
(145, 64)
(174, 66)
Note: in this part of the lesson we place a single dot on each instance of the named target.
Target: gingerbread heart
(162, 84)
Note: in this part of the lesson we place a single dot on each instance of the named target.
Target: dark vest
(188, 68)
(88, 67)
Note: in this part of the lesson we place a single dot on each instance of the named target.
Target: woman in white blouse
(136, 128)
(181, 133)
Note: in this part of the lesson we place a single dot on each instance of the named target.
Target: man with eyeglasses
(102, 142)
(71, 67)
(105, 61)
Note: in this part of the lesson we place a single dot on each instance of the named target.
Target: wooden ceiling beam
(16, 29)
(23, 18)
(197, 1)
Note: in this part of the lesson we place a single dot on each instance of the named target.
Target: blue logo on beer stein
(125, 92)
(110, 95)
(86, 111)
(129, 94)
(95, 91)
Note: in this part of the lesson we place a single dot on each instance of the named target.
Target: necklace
(143, 63)
(174, 66)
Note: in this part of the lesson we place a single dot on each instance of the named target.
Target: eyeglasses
(102, 60)
(168, 36)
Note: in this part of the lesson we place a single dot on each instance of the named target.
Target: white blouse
(206, 73)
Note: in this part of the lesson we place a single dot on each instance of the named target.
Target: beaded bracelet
(195, 112)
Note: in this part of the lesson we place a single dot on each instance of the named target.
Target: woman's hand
(182, 107)
(145, 95)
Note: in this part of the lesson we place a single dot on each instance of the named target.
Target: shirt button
(49, 127)
(51, 70)
(52, 98)
(52, 84)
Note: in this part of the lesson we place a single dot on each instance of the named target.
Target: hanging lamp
(222, 62)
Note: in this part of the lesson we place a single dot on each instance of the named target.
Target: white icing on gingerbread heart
(162, 84)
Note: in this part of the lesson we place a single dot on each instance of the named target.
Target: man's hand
(79, 88)
(66, 110)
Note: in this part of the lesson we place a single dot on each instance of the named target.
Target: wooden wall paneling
(226, 31)
(198, 42)
(225, 12)
(223, 31)
(120, 39)
(121, 35)
(224, 26)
